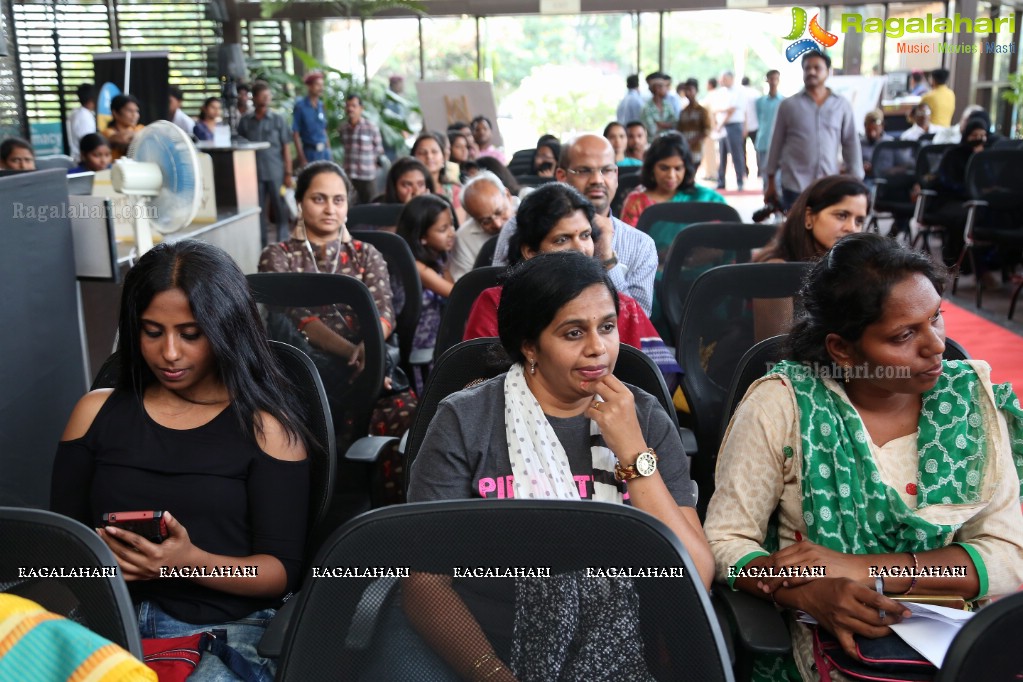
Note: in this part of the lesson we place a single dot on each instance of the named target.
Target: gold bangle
(500, 666)
(483, 659)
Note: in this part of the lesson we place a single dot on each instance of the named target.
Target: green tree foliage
(337, 85)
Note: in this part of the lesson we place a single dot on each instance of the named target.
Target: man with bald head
(489, 205)
(588, 164)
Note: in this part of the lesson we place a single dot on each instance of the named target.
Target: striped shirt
(363, 146)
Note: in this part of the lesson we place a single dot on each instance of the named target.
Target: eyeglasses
(604, 172)
(491, 220)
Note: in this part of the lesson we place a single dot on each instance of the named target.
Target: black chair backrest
(626, 183)
(986, 647)
(311, 394)
(522, 162)
(717, 330)
(928, 159)
(282, 290)
(459, 305)
(894, 162)
(701, 246)
(564, 536)
(474, 360)
(33, 538)
(530, 180)
(763, 356)
(687, 213)
(996, 176)
(485, 257)
(373, 216)
(408, 301)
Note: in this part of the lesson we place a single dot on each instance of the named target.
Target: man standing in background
(733, 120)
(752, 122)
(694, 121)
(273, 165)
(810, 130)
(767, 110)
(83, 119)
(658, 115)
(309, 122)
(631, 106)
(940, 99)
(174, 113)
(363, 149)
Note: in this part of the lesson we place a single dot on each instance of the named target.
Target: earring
(532, 366)
(846, 371)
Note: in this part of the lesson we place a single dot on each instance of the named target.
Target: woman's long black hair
(222, 304)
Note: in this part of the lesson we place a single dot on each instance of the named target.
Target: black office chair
(986, 647)
(281, 291)
(485, 257)
(928, 159)
(308, 386)
(686, 213)
(406, 288)
(894, 174)
(337, 634)
(626, 183)
(459, 305)
(994, 182)
(761, 357)
(717, 330)
(474, 360)
(33, 538)
(697, 248)
(373, 216)
(521, 162)
(530, 180)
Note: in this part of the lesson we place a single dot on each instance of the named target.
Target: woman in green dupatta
(867, 453)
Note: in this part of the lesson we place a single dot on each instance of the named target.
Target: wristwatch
(646, 465)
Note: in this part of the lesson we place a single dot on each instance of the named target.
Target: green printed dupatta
(846, 505)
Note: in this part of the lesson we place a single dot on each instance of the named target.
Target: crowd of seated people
(580, 282)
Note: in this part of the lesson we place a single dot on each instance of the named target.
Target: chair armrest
(726, 628)
(423, 356)
(368, 448)
(974, 203)
(758, 626)
(688, 440)
(272, 642)
(928, 193)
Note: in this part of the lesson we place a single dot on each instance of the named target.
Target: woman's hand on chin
(846, 608)
(140, 559)
(615, 414)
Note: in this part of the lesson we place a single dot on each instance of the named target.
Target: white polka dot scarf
(539, 462)
(846, 505)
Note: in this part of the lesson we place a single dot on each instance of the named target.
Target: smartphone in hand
(149, 524)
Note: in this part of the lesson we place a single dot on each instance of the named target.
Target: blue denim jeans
(242, 635)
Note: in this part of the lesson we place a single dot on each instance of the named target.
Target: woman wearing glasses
(668, 174)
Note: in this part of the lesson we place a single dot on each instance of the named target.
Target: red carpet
(987, 341)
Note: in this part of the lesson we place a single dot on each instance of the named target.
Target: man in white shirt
(174, 113)
(752, 122)
(733, 119)
(82, 120)
(489, 205)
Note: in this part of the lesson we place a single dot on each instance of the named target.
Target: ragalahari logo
(818, 36)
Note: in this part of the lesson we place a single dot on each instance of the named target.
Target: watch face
(646, 464)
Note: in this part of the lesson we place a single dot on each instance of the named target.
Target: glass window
(910, 52)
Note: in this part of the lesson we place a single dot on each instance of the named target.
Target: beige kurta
(759, 471)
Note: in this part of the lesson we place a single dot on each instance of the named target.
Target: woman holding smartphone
(202, 426)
